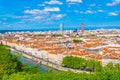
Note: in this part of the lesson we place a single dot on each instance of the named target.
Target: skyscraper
(61, 27)
(82, 28)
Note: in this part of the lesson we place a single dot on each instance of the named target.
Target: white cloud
(4, 23)
(88, 12)
(52, 9)
(43, 15)
(115, 2)
(35, 12)
(92, 5)
(113, 14)
(38, 17)
(47, 18)
(57, 16)
(60, 15)
(44, 11)
(4, 19)
(41, 5)
(81, 12)
(76, 11)
(20, 22)
(54, 2)
(101, 11)
(74, 1)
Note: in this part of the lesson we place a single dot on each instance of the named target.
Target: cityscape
(74, 49)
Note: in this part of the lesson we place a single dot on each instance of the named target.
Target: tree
(109, 66)
(8, 63)
(117, 67)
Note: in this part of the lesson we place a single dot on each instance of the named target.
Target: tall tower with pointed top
(82, 28)
(61, 27)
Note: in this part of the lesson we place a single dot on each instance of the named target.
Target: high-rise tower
(61, 27)
(82, 28)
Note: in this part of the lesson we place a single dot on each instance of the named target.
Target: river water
(29, 62)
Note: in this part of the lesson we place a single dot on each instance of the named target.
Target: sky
(42, 14)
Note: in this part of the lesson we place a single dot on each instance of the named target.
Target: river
(29, 62)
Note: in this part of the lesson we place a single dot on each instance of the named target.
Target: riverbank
(30, 62)
(45, 62)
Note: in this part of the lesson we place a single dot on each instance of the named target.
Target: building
(61, 27)
(82, 28)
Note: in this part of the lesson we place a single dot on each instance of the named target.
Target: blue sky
(40, 14)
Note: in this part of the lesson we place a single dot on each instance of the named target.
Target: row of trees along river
(82, 63)
(12, 69)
